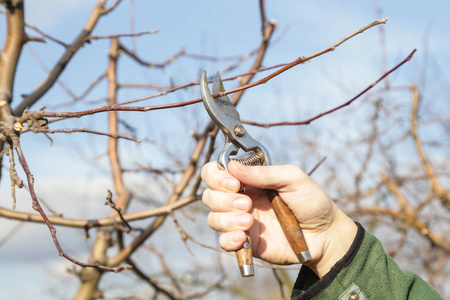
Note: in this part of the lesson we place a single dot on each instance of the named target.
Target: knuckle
(296, 172)
(205, 174)
(210, 220)
(205, 170)
(232, 241)
(206, 197)
(224, 242)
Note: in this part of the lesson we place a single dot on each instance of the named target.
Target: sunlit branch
(441, 193)
(97, 223)
(418, 224)
(10, 53)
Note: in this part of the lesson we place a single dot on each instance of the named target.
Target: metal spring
(256, 159)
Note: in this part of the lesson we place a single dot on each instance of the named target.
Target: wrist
(336, 243)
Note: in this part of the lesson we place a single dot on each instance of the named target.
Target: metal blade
(226, 117)
(224, 102)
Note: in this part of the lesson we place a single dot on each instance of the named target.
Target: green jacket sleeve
(365, 272)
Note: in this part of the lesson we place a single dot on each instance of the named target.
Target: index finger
(218, 179)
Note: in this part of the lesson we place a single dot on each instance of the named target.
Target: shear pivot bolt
(239, 130)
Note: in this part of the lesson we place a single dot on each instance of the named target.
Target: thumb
(281, 178)
(294, 186)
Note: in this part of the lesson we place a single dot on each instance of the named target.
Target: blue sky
(216, 28)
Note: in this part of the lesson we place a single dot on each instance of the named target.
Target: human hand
(327, 230)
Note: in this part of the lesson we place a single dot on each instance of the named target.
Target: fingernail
(241, 204)
(242, 220)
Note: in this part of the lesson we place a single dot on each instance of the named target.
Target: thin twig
(279, 282)
(41, 32)
(308, 121)
(111, 8)
(317, 165)
(91, 86)
(152, 282)
(93, 37)
(44, 67)
(46, 35)
(74, 130)
(303, 59)
(149, 64)
(109, 202)
(183, 86)
(9, 235)
(240, 89)
(109, 108)
(36, 206)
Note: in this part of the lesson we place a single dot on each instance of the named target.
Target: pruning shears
(226, 117)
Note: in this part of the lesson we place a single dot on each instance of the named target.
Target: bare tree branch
(302, 59)
(33, 97)
(308, 121)
(73, 130)
(36, 206)
(104, 222)
(444, 195)
(93, 37)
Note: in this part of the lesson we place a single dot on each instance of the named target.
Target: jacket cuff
(308, 284)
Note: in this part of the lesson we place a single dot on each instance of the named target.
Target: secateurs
(227, 118)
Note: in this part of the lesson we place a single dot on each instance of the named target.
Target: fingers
(226, 222)
(232, 241)
(268, 177)
(219, 180)
(229, 209)
(226, 202)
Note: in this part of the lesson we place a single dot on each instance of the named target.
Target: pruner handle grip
(245, 258)
(291, 229)
(290, 226)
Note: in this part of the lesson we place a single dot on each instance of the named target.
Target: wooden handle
(245, 258)
(290, 226)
